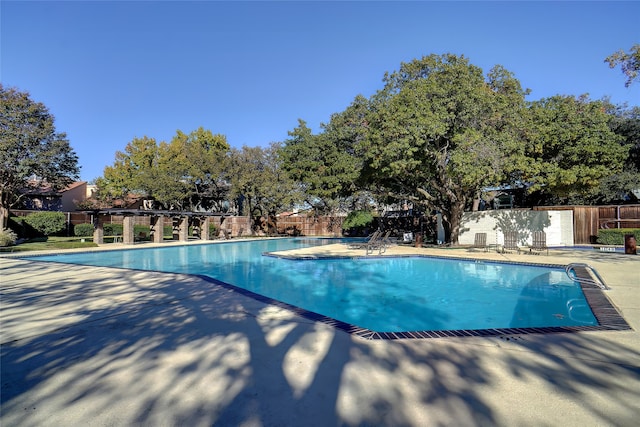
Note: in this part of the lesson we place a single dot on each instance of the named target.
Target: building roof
(43, 188)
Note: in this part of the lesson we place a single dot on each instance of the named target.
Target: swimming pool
(379, 295)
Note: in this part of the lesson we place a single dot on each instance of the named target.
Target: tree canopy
(324, 165)
(32, 152)
(438, 132)
(260, 185)
(570, 148)
(185, 173)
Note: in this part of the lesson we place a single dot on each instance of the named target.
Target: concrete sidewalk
(100, 346)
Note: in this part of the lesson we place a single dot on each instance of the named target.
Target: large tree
(133, 170)
(570, 149)
(324, 165)
(260, 185)
(190, 171)
(439, 131)
(620, 186)
(31, 151)
(183, 174)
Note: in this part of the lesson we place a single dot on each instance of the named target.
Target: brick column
(127, 230)
(204, 228)
(157, 225)
(183, 232)
(98, 230)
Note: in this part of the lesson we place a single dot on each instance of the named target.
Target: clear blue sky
(115, 70)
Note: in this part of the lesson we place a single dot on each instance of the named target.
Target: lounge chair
(539, 242)
(362, 245)
(510, 241)
(387, 239)
(380, 244)
(480, 242)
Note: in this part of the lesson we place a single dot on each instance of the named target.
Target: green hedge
(615, 236)
(47, 223)
(112, 229)
(83, 230)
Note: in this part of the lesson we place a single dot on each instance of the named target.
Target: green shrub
(46, 223)
(8, 237)
(358, 223)
(357, 219)
(83, 230)
(112, 229)
(615, 236)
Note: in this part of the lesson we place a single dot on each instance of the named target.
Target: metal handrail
(599, 283)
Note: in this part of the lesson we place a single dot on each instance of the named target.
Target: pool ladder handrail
(599, 283)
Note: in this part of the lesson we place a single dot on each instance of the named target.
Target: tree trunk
(4, 217)
(452, 220)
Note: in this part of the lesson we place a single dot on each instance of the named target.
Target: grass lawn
(48, 243)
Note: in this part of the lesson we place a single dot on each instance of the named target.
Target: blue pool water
(380, 294)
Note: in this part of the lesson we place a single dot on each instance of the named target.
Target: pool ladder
(599, 283)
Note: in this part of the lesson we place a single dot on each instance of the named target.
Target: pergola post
(157, 225)
(183, 231)
(127, 230)
(98, 230)
(204, 228)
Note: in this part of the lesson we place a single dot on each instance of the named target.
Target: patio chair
(510, 241)
(380, 244)
(362, 245)
(538, 242)
(387, 239)
(480, 242)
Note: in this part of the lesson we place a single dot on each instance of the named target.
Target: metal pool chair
(381, 243)
(510, 241)
(539, 242)
(480, 242)
(363, 245)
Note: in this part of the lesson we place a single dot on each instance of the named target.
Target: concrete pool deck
(103, 346)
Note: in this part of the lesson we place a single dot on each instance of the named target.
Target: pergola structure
(181, 222)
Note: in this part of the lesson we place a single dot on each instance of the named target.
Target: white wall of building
(558, 225)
